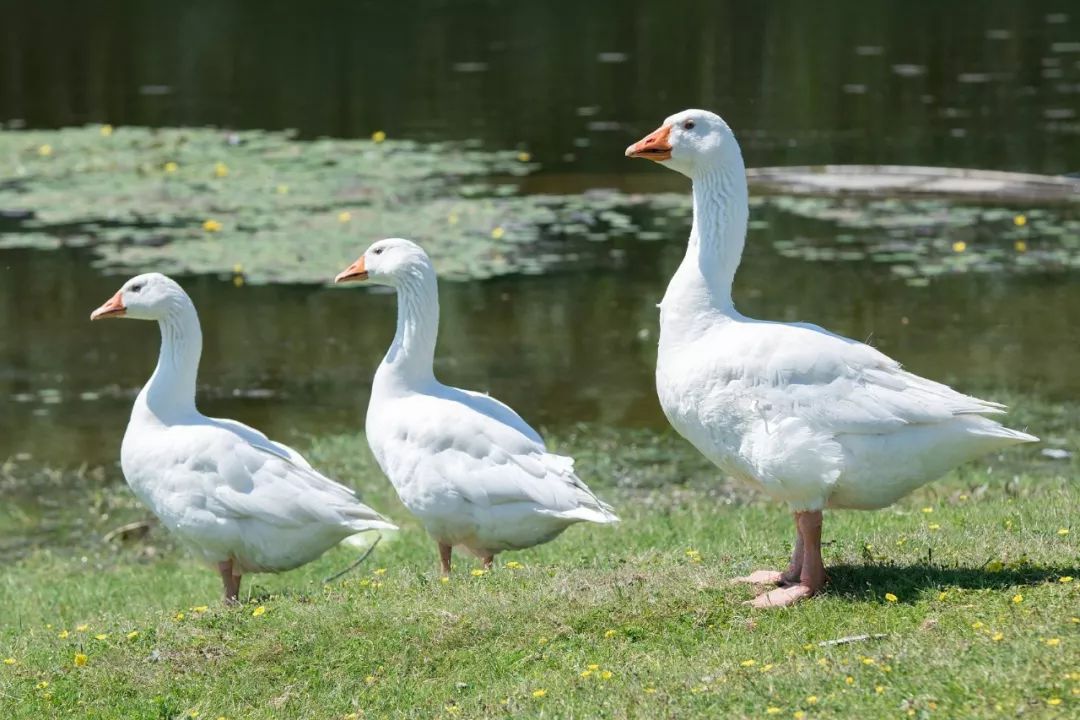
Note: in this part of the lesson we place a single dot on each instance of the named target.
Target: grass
(965, 581)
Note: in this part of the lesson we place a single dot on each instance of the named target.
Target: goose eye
(136, 288)
(378, 251)
(688, 125)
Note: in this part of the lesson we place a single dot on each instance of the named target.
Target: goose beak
(113, 307)
(654, 146)
(354, 272)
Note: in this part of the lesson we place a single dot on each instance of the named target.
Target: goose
(809, 417)
(234, 497)
(466, 465)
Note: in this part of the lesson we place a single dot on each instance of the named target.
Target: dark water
(974, 84)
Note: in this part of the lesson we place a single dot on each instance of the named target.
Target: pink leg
(812, 573)
(444, 557)
(774, 577)
(230, 581)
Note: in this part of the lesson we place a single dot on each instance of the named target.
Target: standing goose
(811, 418)
(473, 472)
(236, 498)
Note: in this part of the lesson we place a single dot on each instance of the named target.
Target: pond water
(972, 84)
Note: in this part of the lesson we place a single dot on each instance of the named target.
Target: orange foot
(761, 577)
(782, 596)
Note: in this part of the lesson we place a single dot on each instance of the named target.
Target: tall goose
(811, 418)
(236, 498)
(470, 469)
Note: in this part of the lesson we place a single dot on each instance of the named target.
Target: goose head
(150, 296)
(388, 262)
(689, 142)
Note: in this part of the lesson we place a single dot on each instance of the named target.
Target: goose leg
(230, 581)
(444, 557)
(489, 560)
(811, 575)
(774, 577)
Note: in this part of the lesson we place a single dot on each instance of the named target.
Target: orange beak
(113, 307)
(654, 146)
(356, 271)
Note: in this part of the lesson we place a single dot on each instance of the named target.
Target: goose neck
(169, 395)
(410, 359)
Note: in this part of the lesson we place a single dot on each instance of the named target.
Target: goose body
(234, 497)
(810, 418)
(468, 467)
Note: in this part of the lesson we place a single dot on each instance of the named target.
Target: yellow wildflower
(808, 646)
(650, 691)
(539, 693)
(1053, 642)
(514, 565)
(203, 608)
(928, 509)
(282, 189)
(101, 636)
(1063, 531)
(524, 157)
(997, 637)
(63, 634)
(377, 137)
(221, 169)
(211, 226)
(798, 715)
(959, 246)
(1020, 246)
(1020, 220)
(43, 684)
(171, 167)
(772, 710)
(594, 666)
(609, 634)
(890, 597)
(370, 679)
(10, 661)
(344, 216)
(258, 611)
(133, 634)
(748, 663)
(452, 219)
(80, 659)
(379, 571)
(106, 130)
(606, 675)
(45, 150)
(976, 625)
(942, 595)
(823, 661)
(478, 572)
(541, 640)
(849, 680)
(179, 616)
(933, 526)
(1065, 579)
(811, 699)
(444, 579)
(868, 661)
(1054, 701)
(497, 232)
(879, 689)
(1018, 598)
(82, 628)
(586, 673)
(766, 667)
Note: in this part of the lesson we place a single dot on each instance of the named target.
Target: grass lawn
(966, 588)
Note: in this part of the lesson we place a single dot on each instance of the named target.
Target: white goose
(236, 498)
(811, 418)
(470, 469)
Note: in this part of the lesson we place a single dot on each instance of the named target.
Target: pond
(566, 88)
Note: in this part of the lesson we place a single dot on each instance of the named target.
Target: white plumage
(470, 469)
(234, 497)
(811, 418)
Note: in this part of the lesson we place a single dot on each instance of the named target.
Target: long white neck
(699, 294)
(408, 364)
(169, 395)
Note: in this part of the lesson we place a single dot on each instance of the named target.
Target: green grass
(979, 553)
